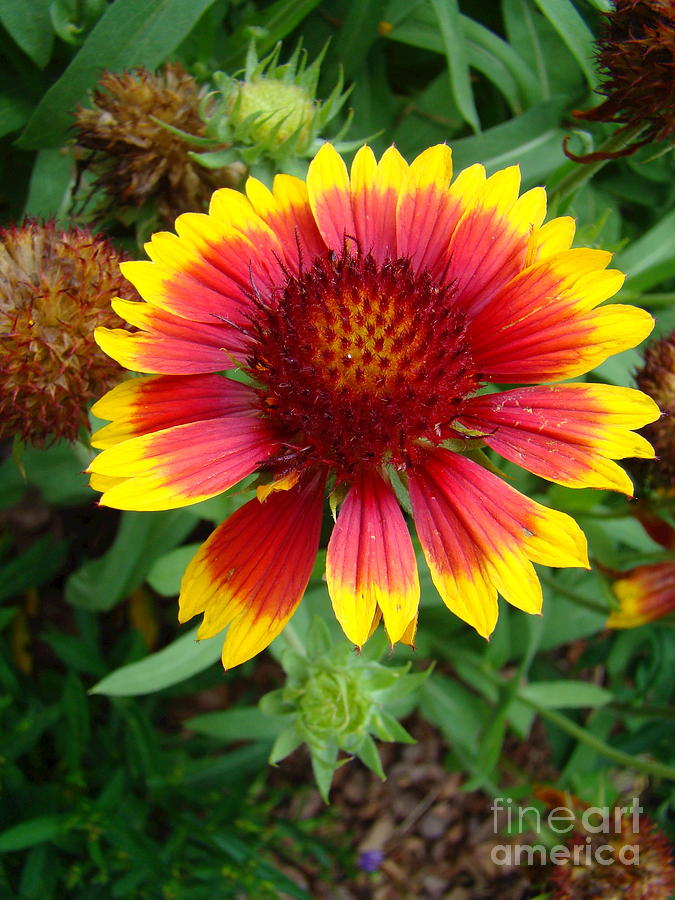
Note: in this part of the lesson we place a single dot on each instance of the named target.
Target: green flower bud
(335, 700)
(270, 113)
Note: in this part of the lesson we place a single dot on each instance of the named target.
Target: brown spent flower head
(631, 862)
(135, 158)
(657, 378)
(613, 853)
(55, 288)
(636, 54)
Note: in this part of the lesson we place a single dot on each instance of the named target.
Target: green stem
(570, 183)
(661, 712)
(648, 766)
(574, 597)
(291, 637)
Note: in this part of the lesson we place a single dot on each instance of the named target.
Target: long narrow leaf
(575, 33)
(184, 657)
(129, 34)
(447, 13)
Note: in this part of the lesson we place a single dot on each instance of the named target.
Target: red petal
(479, 535)
(142, 405)
(568, 433)
(371, 562)
(185, 464)
(253, 570)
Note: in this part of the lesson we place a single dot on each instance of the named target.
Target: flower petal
(479, 535)
(209, 270)
(375, 190)
(543, 326)
(371, 562)
(645, 594)
(567, 433)
(490, 244)
(168, 344)
(287, 211)
(253, 570)
(185, 464)
(427, 212)
(142, 405)
(330, 197)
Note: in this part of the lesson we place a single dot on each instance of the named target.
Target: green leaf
(565, 694)
(452, 35)
(76, 713)
(366, 750)
(575, 33)
(268, 27)
(75, 652)
(128, 34)
(481, 41)
(650, 259)
(49, 188)
(318, 640)
(458, 713)
(29, 24)
(184, 657)
(56, 471)
(358, 31)
(532, 141)
(14, 112)
(141, 539)
(245, 723)
(31, 832)
(288, 741)
(35, 566)
(166, 574)
(520, 22)
(324, 764)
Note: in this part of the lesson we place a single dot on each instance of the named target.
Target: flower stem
(648, 766)
(291, 637)
(574, 597)
(569, 184)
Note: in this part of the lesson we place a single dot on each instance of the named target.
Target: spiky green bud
(270, 111)
(336, 701)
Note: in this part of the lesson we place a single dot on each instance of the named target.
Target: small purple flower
(370, 860)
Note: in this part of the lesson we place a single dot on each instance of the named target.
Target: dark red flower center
(358, 362)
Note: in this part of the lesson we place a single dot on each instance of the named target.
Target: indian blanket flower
(50, 367)
(363, 315)
(646, 593)
(636, 54)
(135, 156)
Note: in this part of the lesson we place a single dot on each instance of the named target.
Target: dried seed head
(628, 862)
(135, 158)
(657, 378)
(55, 288)
(636, 54)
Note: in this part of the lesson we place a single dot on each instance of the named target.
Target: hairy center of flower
(358, 362)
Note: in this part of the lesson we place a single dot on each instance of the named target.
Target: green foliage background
(103, 795)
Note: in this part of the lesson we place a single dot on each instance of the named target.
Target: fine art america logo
(591, 833)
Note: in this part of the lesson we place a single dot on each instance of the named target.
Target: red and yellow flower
(364, 314)
(646, 593)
